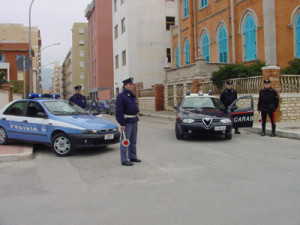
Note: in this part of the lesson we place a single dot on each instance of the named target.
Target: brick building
(236, 31)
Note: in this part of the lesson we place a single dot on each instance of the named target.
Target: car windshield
(201, 102)
(64, 108)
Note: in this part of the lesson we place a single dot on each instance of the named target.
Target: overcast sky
(54, 18)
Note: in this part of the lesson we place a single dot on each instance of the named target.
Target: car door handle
(3, 118)
(25, 121)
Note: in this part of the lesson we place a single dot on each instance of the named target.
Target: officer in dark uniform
(78, 98)
(228, 96)
(268, 102)
(127, 116)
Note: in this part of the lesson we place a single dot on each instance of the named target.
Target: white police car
(205, 114)
(61, 124)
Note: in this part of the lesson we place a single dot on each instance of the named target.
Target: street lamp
(50, 46)
(29, 50)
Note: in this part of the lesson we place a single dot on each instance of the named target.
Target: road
(249, 180)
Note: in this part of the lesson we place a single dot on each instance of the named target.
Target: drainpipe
(179, 31)
(195, 32)
(232, 30)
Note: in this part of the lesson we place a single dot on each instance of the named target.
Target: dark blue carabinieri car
(61, 124)
(205, 114)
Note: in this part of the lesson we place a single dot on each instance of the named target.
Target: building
(57, 81)
(236, 31)
(99, 15)
(67, 84)
(10, 53)
(141, 40)
(18, 33)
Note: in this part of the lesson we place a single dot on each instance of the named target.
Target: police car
(61, 124)
(205, 114)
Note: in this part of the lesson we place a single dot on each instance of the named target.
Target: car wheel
(179, 135)
(61, 145)
(3, 136)
(228, 137)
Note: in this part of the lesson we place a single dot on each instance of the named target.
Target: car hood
(200, 113)
(87, 121)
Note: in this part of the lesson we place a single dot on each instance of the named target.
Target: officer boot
(273, 134)
(263, 130)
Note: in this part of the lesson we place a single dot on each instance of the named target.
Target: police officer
(268, 102)
(78, 98)
(228, 96)
(127, 116)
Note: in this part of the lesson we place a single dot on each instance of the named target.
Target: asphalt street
(249, 180)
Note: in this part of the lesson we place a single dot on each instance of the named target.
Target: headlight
(116, 129)
(90, 131)
(225, 121)
(188, 121)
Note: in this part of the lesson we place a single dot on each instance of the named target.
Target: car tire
(61, 145)
(179, 135)
(3, 136)
(228, 137)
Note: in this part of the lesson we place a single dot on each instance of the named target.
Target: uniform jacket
(126, 105)
(228, 96)
(79, 99)
(268, 100)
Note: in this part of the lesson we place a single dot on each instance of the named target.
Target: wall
(147, 103)
(4, 98)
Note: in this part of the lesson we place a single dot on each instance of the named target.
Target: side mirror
(175, 107)
(41, 115)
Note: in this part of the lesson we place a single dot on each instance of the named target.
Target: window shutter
(177, 57)
(298, 36)
(250, 39)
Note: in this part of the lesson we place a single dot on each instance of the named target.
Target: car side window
(33, 109)
(15, 109)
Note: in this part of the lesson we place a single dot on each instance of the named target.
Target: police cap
(78, 87)
(229, 82)
(267, 81)
(128, 81)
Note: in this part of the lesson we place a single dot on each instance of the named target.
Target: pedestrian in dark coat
(268, 102)
(127, 116)
(78, 98)
(228, 96)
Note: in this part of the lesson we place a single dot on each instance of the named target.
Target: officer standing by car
(268, 102)
(228, 96)
(127, 116)
(78, 98)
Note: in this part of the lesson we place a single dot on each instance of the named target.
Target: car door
(14, 121)
(36, 122)
(242, 112)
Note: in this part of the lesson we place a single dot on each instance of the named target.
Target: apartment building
(57, 82)
(99, 15)
(67, 84)
(18, 33)
(141, 40)
(236, 31)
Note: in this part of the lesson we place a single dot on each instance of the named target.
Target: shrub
(294, 67)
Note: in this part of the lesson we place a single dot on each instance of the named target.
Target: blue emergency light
(36, 95)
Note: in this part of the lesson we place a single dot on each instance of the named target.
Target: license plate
(109, 136)
(218, 128)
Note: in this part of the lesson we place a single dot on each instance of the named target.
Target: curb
(24, 153)
(158, 116)
(279, 132)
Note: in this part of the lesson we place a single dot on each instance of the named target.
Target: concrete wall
(147, 103)
(4, 98)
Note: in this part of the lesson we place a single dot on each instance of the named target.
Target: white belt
(130, 116)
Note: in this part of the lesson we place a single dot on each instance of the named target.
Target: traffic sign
(27, 63)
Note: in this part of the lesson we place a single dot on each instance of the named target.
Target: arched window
(250, 39)
(298, 36)
(185, 8)
(187, 52)
(223, 46)
(177, 56)
(205, 48)
(203, 3)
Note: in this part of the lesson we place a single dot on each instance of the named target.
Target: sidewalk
(16, 152)
(283, 129)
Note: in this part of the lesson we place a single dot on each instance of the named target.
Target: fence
(290, 83)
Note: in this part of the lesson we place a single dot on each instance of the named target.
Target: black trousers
(264, 119)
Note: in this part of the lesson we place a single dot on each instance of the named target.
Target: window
(15, 109)
(223, 46)
(19, 56)
(170, 21)
(298, 36)
(81, 42)
(168, 54)
(82, 87)
(250, 39)
(203, 3)
(82, 76)
(81, 30)
(123, 25)
(116, 31)
(117, 61)
(187, 52)
(177, 56)
(81, 64)
(81, 53)
(123, 58)
(33, 109)
(2, 58)
(115, 5)
(205, 48)
(185, 8)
